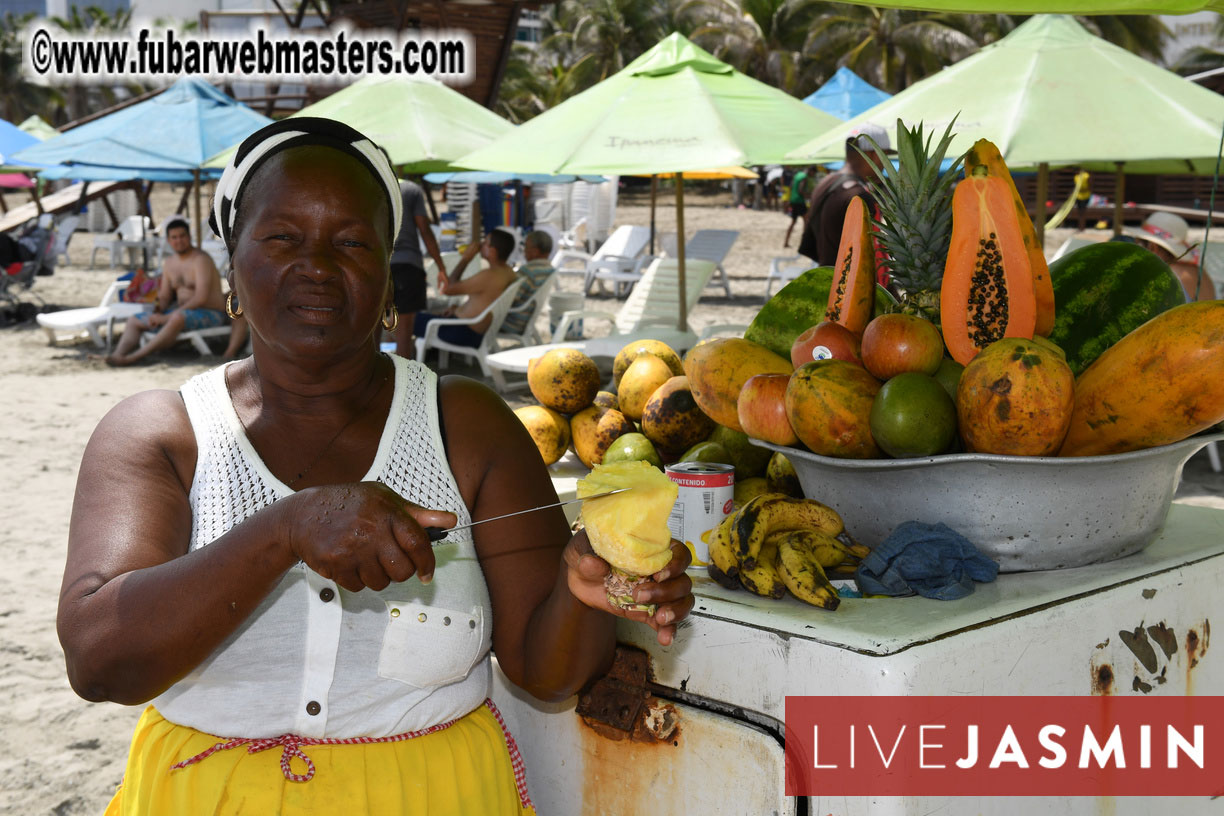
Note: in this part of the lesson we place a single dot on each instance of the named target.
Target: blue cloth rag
(932, 560)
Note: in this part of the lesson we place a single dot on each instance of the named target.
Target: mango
(549, 430)
(632, 447)
(641, 380)
(626, 356)
(671, 418)
(717, 370)
(594, 430)
(564, 380)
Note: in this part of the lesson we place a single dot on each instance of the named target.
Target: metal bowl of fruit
(1025, 512)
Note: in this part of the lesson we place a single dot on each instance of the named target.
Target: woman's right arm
(137, 611)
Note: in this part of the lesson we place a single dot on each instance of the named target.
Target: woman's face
(310, 262)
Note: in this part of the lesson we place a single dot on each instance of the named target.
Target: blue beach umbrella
(846, 95)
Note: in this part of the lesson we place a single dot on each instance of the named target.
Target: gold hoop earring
(393, 313)
(233, 313)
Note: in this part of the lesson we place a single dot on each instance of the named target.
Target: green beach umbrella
(37, 127)
(421, 123)
(674, 108)
(1050, 6)
(1049, 94)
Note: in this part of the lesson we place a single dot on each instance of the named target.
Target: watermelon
(1103, 292)
(799, 306)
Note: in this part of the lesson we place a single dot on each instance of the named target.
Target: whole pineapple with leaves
(915, 225)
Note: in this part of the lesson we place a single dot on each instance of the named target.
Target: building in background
(1189, 31)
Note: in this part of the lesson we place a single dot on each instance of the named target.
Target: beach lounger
(650, 311)
(616, 256)
(71, 324)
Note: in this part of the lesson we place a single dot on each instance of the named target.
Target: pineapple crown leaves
(916, 188)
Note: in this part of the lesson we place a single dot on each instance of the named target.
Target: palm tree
(94, 21)
(1141, 34)
(583, 43)
(613, 32)
(19, 97)
(538, 79)
(890, 48)
(761, 38)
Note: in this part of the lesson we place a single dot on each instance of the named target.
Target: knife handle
(436, 533)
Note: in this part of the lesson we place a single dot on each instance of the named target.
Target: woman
(248, 554)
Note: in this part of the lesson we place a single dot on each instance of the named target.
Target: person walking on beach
(800, 187)
(408, 264)
(827, 209)
(247, 556)
(188, 298)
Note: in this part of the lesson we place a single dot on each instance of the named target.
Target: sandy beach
(66, 756)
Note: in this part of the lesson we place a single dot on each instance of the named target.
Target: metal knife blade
(437, 533)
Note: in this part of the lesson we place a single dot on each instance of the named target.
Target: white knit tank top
(315, 659)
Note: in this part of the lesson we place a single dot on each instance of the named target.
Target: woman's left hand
(669, 588)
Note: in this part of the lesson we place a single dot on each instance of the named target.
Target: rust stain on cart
(625, 730)
(1156, 653)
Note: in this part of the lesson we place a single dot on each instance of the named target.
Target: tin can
(706, 496)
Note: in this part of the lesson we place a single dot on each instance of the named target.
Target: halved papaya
(984, 153)
(852, 296)
(987, 291)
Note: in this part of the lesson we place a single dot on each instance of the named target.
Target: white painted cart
(1139, 625)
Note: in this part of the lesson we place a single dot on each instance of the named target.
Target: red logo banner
(1004, 746)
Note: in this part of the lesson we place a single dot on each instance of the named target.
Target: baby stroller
(34, 255)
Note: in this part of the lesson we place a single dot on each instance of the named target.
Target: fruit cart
(1137, 625)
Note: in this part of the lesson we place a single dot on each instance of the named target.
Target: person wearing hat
(822, 225)
(247, 556)
(1166, 234)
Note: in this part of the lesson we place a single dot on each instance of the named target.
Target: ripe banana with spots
(802, 573)
(770, 513)
(724, 566)
(763, 579)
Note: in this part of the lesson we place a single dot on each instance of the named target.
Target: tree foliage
(795, 45)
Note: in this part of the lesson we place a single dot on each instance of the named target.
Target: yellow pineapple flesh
(629, 530)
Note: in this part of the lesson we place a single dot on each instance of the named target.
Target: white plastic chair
(530, 310)
(64, 228)
(785, 268)
(135, 232)
(650, 310)
(654, 301)
(615, 260)
(488, 344)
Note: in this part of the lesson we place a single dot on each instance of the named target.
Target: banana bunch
(775, 543)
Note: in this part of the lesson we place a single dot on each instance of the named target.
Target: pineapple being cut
(629, 530)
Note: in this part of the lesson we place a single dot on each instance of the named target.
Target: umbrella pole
(654, 192)
(1119, 197)
(683, 324)
(1043, 192)
(195, 183)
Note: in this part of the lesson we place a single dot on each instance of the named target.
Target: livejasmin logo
(1005, 746)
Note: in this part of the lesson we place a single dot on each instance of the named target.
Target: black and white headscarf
(298, 132)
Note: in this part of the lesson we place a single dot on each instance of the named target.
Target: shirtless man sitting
(188, 298)
(481, 289)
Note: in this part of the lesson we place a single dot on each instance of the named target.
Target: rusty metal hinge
(619, 706)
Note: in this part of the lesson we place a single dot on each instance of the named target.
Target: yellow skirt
(463, 769)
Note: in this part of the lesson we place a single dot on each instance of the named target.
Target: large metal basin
(1025, 512)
